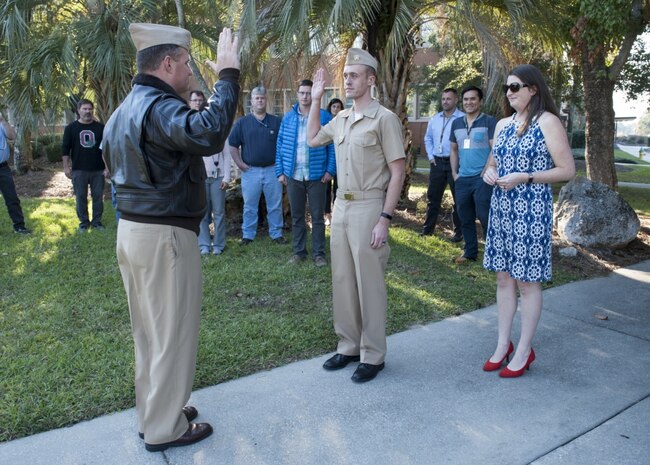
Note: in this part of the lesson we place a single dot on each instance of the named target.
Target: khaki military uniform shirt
(364, 147)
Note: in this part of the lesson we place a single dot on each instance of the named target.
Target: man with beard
(81, 142)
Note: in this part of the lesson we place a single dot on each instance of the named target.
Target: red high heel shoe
(507, 373)
(493, 366)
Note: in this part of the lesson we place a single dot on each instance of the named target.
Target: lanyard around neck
(468, 127)
(445, 122)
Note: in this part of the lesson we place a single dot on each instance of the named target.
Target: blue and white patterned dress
(521, 220)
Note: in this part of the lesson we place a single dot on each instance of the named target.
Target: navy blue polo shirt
(256, 139)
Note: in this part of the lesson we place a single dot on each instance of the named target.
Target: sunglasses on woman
(514, 87)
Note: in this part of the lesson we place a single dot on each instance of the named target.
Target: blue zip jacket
(321, 159)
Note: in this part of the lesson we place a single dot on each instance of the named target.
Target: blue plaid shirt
(301, 172)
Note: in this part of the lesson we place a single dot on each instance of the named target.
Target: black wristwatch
(530, 178)
(387, 216)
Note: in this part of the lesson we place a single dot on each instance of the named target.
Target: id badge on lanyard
(466, 144)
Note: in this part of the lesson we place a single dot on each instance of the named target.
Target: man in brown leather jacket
(153, 146)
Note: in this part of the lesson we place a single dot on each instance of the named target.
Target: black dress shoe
(456, 238)
(190, 413)
(195, 433)
(366, 372)
(339, 361)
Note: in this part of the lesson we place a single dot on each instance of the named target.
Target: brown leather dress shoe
(463, 259)
(190, 413)
(195, 433)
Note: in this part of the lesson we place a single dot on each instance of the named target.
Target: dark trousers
(439, 178)
(473, 196)
(80, 182)
(301, 192)
(8, 190)
(330, 195)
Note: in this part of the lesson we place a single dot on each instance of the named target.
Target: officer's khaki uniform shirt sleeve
(326, 134)
(392, 137)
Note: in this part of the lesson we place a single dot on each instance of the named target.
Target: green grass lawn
(639, 199)
(639, 174)
(422, 162)
(65, 338)
(638, 171)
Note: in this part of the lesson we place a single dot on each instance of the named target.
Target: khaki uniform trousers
(161, 270)
(358, 286)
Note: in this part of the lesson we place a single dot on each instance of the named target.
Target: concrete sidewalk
(585, 400)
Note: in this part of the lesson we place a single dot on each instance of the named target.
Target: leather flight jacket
(153, 147)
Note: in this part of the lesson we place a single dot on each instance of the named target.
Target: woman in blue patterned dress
(530, 152)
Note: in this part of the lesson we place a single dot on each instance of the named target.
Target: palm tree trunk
(23, 156)
(394, 76)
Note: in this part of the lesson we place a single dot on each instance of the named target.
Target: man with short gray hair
(252, 144)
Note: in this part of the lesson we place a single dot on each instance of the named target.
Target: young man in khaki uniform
(370, 156)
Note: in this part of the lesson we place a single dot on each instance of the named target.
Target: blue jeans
(8, 190)
(80, 182)
(254, 181)
(473, 201)
(114, 202)
(299, 193)
(216, 198)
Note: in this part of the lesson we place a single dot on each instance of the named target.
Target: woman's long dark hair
(540, 102)
(332, 102)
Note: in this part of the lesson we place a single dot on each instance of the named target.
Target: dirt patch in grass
(45, 180)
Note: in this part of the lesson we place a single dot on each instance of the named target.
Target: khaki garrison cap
(357, 56)
(145, 35)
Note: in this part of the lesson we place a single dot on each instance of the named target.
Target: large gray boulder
(591, 214)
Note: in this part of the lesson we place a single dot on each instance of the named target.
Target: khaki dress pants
(358, 286)
(161, 270)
